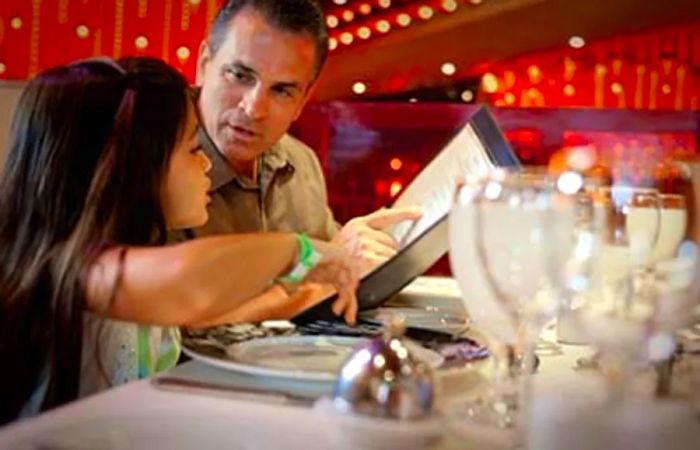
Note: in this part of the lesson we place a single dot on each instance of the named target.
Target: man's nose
(255, 103)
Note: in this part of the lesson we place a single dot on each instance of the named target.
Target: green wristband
(308, 258)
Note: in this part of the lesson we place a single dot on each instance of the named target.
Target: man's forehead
(253, 41)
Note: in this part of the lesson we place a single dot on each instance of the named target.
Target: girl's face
(184, 194)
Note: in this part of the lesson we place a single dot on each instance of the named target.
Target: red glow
(396, 83)
(534, 73)
(380, 188)
(524, 136)
(657, 74)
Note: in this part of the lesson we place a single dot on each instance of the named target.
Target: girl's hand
(339, 269)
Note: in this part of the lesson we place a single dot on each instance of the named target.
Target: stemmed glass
(510, 237)
(673, 223)
(615, 313)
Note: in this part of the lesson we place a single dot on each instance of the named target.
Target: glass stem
(504, 388)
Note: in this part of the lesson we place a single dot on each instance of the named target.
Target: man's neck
(247, 169)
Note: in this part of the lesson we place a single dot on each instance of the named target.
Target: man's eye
(284, 93)
(237, 75)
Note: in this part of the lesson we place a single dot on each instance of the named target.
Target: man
(255, 72)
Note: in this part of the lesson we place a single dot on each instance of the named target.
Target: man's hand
(365, 239)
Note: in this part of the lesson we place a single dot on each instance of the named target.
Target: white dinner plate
(432, 318)
(310, 358)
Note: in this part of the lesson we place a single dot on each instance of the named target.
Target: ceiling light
(425, 12)
(449, 5)
(331, 21)
(359, 88)
(403, 19)
(576, 42)
(448, 69)
(383, 26)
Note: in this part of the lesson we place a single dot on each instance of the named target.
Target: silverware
(171, 383)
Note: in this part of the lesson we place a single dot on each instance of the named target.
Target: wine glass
(509, 236)
(617, 309)
(673, 224)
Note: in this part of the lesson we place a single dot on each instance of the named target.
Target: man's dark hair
(297, 16)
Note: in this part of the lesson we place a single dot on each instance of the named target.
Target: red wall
(36, 34)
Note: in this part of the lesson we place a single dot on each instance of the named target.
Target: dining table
(198, 406)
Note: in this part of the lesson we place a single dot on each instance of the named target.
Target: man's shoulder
(294, 148)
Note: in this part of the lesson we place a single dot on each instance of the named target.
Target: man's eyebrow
(280, 85)
(287, 85)
(238, 65)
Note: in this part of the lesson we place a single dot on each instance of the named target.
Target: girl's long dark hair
(90, 145)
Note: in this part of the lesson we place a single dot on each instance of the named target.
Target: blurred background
(618, 77)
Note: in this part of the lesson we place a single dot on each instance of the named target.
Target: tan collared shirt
(290, 194)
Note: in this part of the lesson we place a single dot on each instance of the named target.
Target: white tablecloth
(569, 411)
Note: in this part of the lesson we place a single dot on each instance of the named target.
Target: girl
(102, 163)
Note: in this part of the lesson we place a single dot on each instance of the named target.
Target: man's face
(254, 86)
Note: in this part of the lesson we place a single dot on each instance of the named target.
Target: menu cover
(478, 147)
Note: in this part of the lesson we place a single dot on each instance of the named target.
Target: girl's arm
(275, 303)
(192, 282)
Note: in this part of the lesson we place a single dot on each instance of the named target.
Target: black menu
(475, 149)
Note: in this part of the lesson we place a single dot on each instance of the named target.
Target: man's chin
(240, 151)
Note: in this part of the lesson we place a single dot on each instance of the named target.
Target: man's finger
(370, 235)
(386, 217)
(373, 249)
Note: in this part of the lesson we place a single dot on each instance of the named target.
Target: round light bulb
(383, 26)
(467, 96)
(403, 19)
(183, 53)
(449, 5)
(576, 42)
(425, 12)
(448, 69)
(331, 21)
(82, 31)
(359, 88)
(141, 42)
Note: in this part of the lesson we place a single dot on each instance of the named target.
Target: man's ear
(307, 96)
(203, 59)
